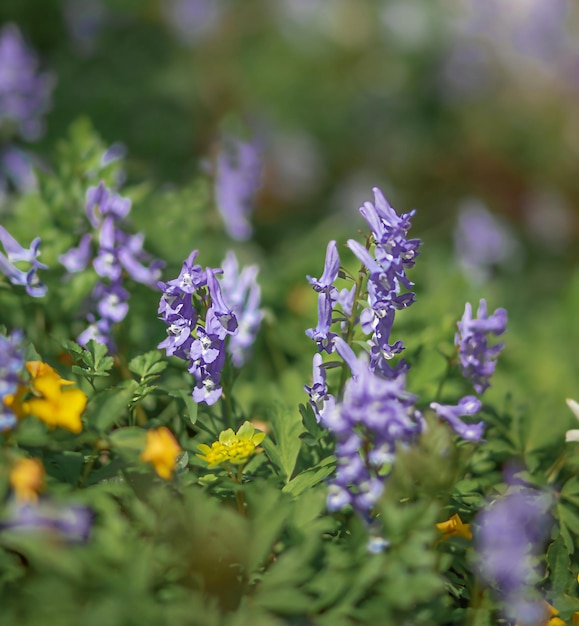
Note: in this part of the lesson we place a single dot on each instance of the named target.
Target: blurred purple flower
(482, 242)
(11, 365)
(477, 358)
(193, 20)
(507, 536)
(24, 93)
(469, 405)
(238, 178)
(242, 293)
(70, 523)
(16, 253)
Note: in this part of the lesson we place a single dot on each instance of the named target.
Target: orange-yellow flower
(162, 451)
(56, 407)
(27, 479)
(235, 448)
(50, 403)
(454, 527)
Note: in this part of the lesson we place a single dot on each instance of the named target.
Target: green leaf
(310, 477)
(148, 365)
(107, 407)
(130, 438)
(558, 559)
(186, 400)
(287, 428)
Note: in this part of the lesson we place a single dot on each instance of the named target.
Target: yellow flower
(38, 369)
(27, 479)
(162, 451)
(55, 407)
(454, 527)
(235, 448)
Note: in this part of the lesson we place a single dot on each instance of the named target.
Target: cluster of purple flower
(507, 536)
(24, 99)
(201, 312)
(15, 253)
(11, 365)
(477, 363)
(375, 415)
(238, 178)
(118, 252)
(375, 412)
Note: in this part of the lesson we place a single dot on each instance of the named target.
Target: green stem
(445, 377)
(352, 322)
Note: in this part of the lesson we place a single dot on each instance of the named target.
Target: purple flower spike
(239, 167)
(24, 93)
(477, 358)
(469, 405)
(243, 294)
(331, 270)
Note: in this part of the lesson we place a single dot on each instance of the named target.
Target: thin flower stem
(352, 322)
(449, 365)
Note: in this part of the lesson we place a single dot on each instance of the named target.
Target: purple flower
(507, 536)
(118, 252)
(16, 253)
(374, 416)
(193, 20)
(17, 168)
(198, 339)
(321, 333)
(321, 401)
(11, 365)
(243, 294)
(331, 270)
(77, 259)
(477, 358)
(469, 405)
(237, 181)
(481, 241)
(24, 93)
(70, 523)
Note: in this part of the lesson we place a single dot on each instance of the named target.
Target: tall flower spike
(477, 358)
(238, 178)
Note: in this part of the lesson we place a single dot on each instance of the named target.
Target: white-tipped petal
(572, 436)
(574, 406)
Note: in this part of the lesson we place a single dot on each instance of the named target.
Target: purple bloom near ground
(507, 536)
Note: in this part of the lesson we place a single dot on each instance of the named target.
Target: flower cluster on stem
(375, 413)
(202, 312)
(118, 253)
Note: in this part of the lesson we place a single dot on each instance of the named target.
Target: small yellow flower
(55, 407)
(454, 527)
(235, 448)
(27, 479)
(162, 451)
